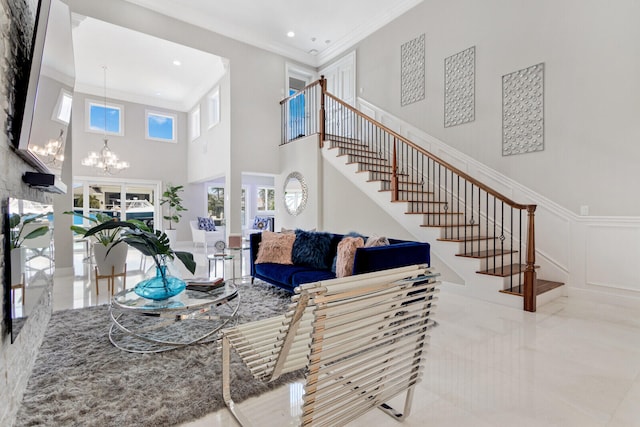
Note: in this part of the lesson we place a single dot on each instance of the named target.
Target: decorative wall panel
(460, 87)
(412, 60)
(523, 111)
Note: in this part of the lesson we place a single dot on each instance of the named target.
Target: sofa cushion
(275, 248)
(206, 224)
(310, 275)
(374, 241)
(346, 253)
(312, 249)
(279, 273)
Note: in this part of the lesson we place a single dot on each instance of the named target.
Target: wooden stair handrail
(433, 157)
(530, 275)
(309, 86)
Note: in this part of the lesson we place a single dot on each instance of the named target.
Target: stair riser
(426, 206)
(343, 151)
(435, 218)
(367, 167)
(373, 159)
(386, 185)
(477, 245)
(348, 144)
(459, 232)
(416, 195)
(499, 261)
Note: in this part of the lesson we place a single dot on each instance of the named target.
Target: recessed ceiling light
(177, 63)
(313, 51)
(291, 34)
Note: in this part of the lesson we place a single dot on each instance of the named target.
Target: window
(266, 199)
(101, 119)
(194, 123)
(213, 103)
(160, 126)
(215, 204)
(62, 110)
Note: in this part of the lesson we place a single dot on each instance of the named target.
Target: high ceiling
(323, 30)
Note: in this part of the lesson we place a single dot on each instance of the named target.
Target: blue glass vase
(161, 286)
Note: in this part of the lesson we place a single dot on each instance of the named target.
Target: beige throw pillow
(346, 254)
(275, 248)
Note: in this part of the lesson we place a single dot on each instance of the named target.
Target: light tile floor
(575, 362)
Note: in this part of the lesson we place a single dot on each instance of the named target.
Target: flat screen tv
(43, 100)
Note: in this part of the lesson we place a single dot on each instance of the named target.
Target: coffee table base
(155, 332)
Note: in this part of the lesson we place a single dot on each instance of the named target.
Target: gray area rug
(81, 379)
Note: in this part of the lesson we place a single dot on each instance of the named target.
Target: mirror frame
(305, 193)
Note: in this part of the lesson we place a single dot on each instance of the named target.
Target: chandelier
(105, 160)
(53, 151)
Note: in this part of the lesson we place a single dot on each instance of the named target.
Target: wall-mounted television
(43, 101)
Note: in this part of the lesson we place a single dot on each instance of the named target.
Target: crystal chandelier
(53, 151)
(105, 160)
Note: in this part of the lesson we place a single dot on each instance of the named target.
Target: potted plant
(107, 260)
(155, 244)
(19, 231)
(172, 199)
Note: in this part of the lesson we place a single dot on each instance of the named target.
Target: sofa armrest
(254, 244)
(391, 256)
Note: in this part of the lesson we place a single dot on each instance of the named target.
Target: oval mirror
(295, 193)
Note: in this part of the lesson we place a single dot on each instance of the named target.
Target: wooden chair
(361, 341)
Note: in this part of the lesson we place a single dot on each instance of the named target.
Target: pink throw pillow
(346, 254)
(275, 248)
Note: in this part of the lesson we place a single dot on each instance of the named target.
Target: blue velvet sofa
(398, 253)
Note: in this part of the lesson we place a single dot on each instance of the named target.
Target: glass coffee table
(141, 325)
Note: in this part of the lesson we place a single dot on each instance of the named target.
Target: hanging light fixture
(105, 160)
(53, 151)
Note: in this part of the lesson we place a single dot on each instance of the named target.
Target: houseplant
(172, 199)
(19, 231)
(107, 260)
(155, 244)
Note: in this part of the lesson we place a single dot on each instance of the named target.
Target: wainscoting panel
(612, 254)
(554, 237)
(450, 158)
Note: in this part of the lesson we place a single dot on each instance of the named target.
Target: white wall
(149, 160)
(209, 155)
(592, 90)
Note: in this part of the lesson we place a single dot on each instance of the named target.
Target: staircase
(485, 237)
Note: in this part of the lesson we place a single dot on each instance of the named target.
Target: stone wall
(16, 360)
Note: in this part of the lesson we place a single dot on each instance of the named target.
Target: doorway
(124, 200)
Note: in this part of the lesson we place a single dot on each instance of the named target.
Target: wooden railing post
(530, 271)
(323, 90)
(394, 176)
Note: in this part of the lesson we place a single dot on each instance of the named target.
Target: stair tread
(449, 225)
(373, 156)
(466, 239)
(506, 270)
(430, 213)
(487, 254)
(542, 286)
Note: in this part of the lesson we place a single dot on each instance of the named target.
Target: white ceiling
(323, 30)
(140, 67)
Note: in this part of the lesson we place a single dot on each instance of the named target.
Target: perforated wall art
(523, 111)
(460, 87)
(412, 60)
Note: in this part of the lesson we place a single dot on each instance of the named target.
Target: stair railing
(492, 227)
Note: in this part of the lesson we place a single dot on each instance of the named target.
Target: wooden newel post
(394, 176)
(530, 270)
(323, 90)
